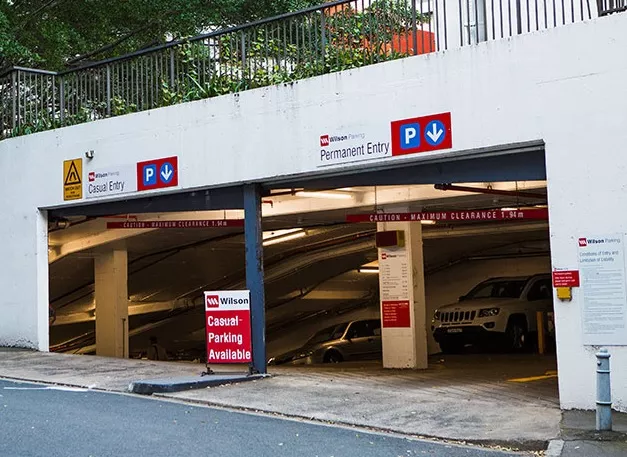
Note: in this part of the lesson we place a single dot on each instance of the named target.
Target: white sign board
(394, 274)
(353, 145)
(110, 181)
(604, 311)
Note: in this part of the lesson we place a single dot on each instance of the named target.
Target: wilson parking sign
(227, 320)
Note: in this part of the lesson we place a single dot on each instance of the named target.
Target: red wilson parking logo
(92, 176)
(324, 140)
(583, 242)
(213, 301)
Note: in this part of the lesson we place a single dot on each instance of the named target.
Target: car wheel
(516, 335)
(451, 347)
(333, 357)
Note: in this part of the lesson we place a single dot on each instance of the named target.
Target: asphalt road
(37, 420)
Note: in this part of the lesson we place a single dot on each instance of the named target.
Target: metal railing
(332, 37)
(607, 7)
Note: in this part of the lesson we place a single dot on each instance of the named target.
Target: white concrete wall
(564, 85)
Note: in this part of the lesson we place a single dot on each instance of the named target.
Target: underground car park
(323, 271)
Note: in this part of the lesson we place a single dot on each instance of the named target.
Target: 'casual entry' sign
(227, 320)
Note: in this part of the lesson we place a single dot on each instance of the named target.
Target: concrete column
(111, 272)
(402, 299)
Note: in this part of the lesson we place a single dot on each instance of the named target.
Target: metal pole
(14, 94)
(253, 241)
(62, 99)
(414, 28)
(518, 18)
(482, 21)
(108, 90)
(540, 327)
(604, 392)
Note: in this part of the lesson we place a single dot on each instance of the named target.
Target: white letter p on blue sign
(410, 135)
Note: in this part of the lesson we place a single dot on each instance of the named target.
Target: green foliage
(48, 34)
(276, 53)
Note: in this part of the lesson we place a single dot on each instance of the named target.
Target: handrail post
(108, 90)
(323, 35)
(518, 17)
(62, 98)
(243, 45)
(14, 97)
(171, 68)
(414, 27)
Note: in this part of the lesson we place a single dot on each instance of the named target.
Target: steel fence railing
(607, 7)
(335, 36)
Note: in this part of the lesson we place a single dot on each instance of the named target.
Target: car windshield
(510, 288)
(328, 334)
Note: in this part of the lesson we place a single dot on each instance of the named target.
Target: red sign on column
(396, 314)
(227, 320)
(564, 278)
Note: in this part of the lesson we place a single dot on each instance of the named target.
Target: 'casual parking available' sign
(227, 320)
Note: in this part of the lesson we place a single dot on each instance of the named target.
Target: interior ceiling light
(329, 195)
(509, 209)
(427, 222)
(371, 270)
(297, 233)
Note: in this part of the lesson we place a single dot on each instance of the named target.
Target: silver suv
(356, 340)
(501, 310)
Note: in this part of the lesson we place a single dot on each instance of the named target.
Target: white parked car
(499, 310)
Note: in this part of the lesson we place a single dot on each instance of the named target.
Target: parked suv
(347, 341)
(501, 310)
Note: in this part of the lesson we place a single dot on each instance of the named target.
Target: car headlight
(436, 315)
(489, 312)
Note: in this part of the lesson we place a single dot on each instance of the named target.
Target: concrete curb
(554, 449)
(171, 385)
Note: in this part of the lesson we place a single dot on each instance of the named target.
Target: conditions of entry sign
(227, 320)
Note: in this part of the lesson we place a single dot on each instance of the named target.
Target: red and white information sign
(477, 215)
(227, 320)
(189, 224)
(565, 278)
(395, 314)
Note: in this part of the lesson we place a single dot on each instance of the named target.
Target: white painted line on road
(62, 388)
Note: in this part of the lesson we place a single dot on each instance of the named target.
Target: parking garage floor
(491, 399)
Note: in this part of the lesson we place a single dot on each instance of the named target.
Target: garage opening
(485, 261)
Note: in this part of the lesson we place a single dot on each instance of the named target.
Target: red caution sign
(189, 224)
(483, 215)
(566, 278)
(227, 321)
(395, 314)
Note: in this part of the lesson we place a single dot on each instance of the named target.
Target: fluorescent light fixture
(509, 209)
(371, 270)
(427, 222)
(329, 195)
(292, 235)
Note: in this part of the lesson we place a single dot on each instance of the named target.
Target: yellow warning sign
(73, 179)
